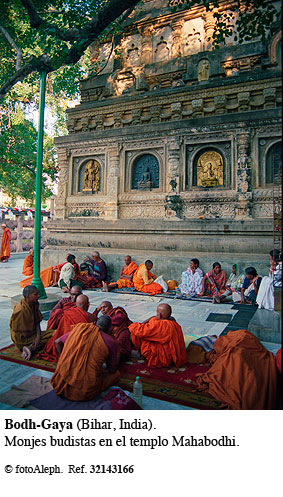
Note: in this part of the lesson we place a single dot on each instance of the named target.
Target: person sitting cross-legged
(25, 324)
(192, 279)
(77, 314)
(125, 278)
(80, 373)
(120, 331)
(143, 279)
(160, 339)
(63, 305)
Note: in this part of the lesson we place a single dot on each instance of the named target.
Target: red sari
(214, 284)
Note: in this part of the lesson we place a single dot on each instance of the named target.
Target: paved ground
(196, 318)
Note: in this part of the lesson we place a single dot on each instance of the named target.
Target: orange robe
(161, 342)
(6, 244)
(73, 316)
(46, 275)
(57, 314)
(79, 374)
(143, 281)
(243, 373)
(123, 283)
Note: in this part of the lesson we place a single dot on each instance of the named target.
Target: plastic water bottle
(137, 391)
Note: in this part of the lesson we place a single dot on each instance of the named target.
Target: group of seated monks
(88, 347)
(241, 286)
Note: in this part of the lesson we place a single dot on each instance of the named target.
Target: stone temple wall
(174, 143)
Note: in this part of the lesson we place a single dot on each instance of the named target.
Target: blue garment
(247, 282)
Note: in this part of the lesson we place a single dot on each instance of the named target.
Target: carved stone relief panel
(209, 166)
(132, 50)
(144, 169)
(193, 41)
(162, 44)
(88, 175)
(269, 158)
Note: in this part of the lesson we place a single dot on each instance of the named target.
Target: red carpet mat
(177, 385)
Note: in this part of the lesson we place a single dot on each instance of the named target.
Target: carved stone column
(111, 211)
(244, 193)
(146, 44)
(63, 160)
(209, 28)
(177, 39)
(173, 202)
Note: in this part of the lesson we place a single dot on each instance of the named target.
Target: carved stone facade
(178, 130)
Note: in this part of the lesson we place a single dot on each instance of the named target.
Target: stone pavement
(196, 318)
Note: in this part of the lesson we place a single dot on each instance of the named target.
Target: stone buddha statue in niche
(210, 169)
(145, 181)
(91, 176)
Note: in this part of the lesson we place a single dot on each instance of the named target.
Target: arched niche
(273, 163)
(90, 177)
(145, 172)
(208, 168)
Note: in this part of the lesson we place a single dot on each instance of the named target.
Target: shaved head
(82, 302)
(104, 323)
(164, 311)
(75, 292)
(105, 306)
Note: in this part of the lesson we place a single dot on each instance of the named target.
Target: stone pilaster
(63, 160)
(146, 44)
(209, 24)
(244, 193)
(173, 203)
(177, 39)
(111, 211)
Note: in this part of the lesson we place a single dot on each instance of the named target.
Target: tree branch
(10, 40)
(34, 18)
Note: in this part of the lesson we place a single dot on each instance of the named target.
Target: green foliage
(18, 155)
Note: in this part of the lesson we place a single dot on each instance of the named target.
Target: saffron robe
(46, 275)
(127, 271)
(57, 312)
(73, 316)
(25, 318)
(143, 280)
(79, 374)
(6, 244)
(243, 373)
(120, 332)
(160, 341)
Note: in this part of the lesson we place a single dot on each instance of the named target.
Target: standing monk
(160, 339)
(5, 244)
(120, 331)
(75, 315)
(143, 279)
(79, 373)
(125, 278)
(25, 324)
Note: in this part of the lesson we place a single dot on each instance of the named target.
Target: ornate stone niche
(145, 172)
(203, 70)
(208, 167)
(270, 157)
(88, 175)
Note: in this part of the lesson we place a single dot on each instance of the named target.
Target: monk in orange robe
(5, 244)
(75, 315)
(243, 374)
(126, 276)
(79, 374)
(61, 307)
(46, 275)
(143, 279)
(120, 327)
(160, 339)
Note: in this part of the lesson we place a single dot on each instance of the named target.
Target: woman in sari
(234, 283)
(214, 282)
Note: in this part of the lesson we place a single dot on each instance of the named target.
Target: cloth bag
(162, 283)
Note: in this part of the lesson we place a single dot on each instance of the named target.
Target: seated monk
(120, 330)
(46, 275)
(79, 374)
(25, 324)
(160, 339)
(75, 315)
(63, 305)
(125, 278)
(143, 279)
